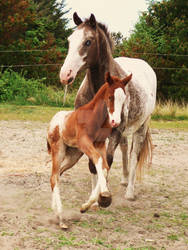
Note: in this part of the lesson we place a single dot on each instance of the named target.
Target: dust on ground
(157, 219)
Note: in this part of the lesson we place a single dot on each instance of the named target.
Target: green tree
(23, 26)
(161, 38)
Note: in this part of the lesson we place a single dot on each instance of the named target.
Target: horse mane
(106, 32)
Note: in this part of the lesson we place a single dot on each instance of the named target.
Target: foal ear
(77, 19)
(108, 78)
(92, 21)
(126, 79)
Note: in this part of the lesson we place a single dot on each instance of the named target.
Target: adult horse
(90, 48)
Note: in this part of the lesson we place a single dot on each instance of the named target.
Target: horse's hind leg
(124, 150)
(139, 151)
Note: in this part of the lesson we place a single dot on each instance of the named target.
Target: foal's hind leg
(58, 153)
(69, 156)
(138, 141)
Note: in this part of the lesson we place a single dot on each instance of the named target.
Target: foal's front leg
(100, 191)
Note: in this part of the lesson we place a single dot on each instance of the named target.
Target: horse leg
(140, 150)
(114, 140)
(105, 196)
(124, 150)
(58, 153)
(71, 158)
(88, 148)
(93, 172)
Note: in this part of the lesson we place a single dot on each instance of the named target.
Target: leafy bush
(14, 88)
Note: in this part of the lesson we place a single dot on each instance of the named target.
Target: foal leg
(58, 153)
(137, 144)
(93, 172)
(70, 156)
(88, 148)
(105, 196)
(101, 148)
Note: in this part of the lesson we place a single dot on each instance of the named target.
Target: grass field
(166, 116)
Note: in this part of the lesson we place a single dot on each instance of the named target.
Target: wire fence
(58, 64)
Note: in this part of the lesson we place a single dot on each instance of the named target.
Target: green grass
(31, 113)
(45, 113)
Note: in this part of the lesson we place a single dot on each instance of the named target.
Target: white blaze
(74, 61)
(119, 99)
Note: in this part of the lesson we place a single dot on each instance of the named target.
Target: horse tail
(145, 155)
(48, 147)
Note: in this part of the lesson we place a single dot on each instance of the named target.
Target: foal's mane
(106, 32)
(98, 96)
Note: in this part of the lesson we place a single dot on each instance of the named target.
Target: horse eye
(88, 43)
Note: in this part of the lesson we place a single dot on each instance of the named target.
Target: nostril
(70, 71)
(70, 79)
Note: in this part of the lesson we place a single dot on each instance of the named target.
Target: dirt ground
(157, 219)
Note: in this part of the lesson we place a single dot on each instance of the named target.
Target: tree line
(35, 32)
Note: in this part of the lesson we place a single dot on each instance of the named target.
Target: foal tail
(145, 155)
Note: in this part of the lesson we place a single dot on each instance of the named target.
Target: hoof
(124, 183)
(83, 209)
(95, 206)
(63, 226)
(105, 199)
(130, 197)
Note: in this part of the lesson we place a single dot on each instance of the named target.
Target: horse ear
(92, 21)
(108, 78)
(77, 19)
(126, 79)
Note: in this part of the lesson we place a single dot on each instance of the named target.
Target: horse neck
(104, 63)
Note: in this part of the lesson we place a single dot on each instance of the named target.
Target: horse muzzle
(66, 77)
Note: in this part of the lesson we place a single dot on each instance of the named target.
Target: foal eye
(88, 43)
(110, 98)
